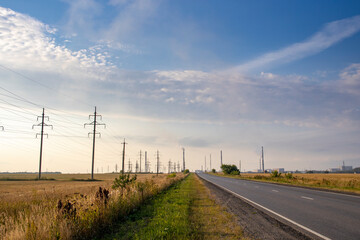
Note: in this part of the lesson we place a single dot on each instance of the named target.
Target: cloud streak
(329, 35)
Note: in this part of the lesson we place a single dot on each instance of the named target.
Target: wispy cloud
(329, 35)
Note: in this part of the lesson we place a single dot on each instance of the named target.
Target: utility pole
(140, 161)
(210, 163)
(136, 167)
(2, 128)
(157, 165)
(183, 159)
(240, 166)
(129, 166)
(146, 163)
(205, 163)
(221, 158)
(42, 124)
(123, 157)
(116, 166)
(262, 154)
(94, 133)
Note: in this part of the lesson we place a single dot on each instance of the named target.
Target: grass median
(184, 211)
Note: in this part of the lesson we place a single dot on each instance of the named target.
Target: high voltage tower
(157, 162)
(183, 159)
(123, 157)
(140, 160)
(146, 163)
(221, 158)
(42, 124)
(94, 133)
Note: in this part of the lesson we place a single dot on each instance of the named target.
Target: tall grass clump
(77, 216)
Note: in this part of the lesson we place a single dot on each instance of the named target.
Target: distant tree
(186, 171)
(230, 169)
(213, 170)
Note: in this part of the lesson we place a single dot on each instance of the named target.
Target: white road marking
(275, 213)
(275, 190)
(309, 198)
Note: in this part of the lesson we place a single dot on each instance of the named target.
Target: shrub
(275, 174)
(123, 181)
(186, 171)
(172, 175)
(289, 175)
(213, 170)
(230, 169)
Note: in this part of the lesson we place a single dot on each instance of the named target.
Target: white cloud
(329, 35)
(29, 44)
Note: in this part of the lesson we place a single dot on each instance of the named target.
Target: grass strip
(184, 211)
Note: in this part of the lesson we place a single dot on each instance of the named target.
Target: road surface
(325, 214)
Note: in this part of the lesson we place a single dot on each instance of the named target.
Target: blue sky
(205, 75)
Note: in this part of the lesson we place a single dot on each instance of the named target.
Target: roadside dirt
(255, 223)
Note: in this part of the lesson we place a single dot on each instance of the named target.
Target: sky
(206, 76)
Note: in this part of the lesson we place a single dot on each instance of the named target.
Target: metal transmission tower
(123, 158)
(42, 124)
(205, 163)
(146, 163)
(262, 156)
(210, 163)
(221, 158)
(157, 162)
(183, 159)
(94, 133)
(140, 161)
(169, 167)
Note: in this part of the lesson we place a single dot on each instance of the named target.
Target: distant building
(280, 170)
(333, 170)
(346, 168)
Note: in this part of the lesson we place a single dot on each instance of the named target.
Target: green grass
(163, 217)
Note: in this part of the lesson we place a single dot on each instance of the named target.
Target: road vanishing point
(327, 215)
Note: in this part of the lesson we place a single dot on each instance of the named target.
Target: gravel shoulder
(256, 224)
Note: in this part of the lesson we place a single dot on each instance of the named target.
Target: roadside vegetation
(73, 209)
(338, 182)
(184, 211)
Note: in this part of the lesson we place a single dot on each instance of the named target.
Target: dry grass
(336, 181)
(29, 209)
(210, 220)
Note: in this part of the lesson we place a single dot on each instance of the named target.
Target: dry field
(346, 182)
(69, 207)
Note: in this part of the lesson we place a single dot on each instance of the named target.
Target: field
(70, 206)
(336, 181)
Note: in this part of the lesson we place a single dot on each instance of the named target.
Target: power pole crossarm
(94, 133)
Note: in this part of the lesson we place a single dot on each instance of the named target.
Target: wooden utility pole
(42, 124)
(94, 133)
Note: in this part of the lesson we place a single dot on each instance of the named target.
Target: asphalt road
(327, 215)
